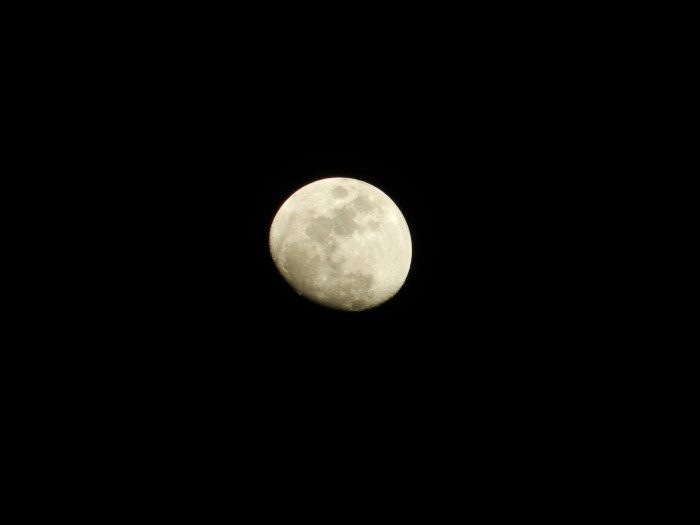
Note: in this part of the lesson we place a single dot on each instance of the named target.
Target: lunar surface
(341, 243)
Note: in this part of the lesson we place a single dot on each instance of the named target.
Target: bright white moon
(342, 243)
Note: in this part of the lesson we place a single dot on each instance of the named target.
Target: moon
(341, 243)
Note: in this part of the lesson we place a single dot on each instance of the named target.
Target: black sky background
(482, 168)
(487, 140)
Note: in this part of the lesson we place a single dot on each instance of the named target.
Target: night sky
(480, 146)
(477, 139)
(480, 186)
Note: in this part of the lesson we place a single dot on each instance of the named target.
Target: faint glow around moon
(341, 243)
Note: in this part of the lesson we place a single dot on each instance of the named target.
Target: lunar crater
(319, 229)
(363, 204)
(339, 192)
(344, 221)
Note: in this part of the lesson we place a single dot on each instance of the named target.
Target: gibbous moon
(341, 243)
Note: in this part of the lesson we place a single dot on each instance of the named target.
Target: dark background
(481, 158)
(481, 165)
(185, 141)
